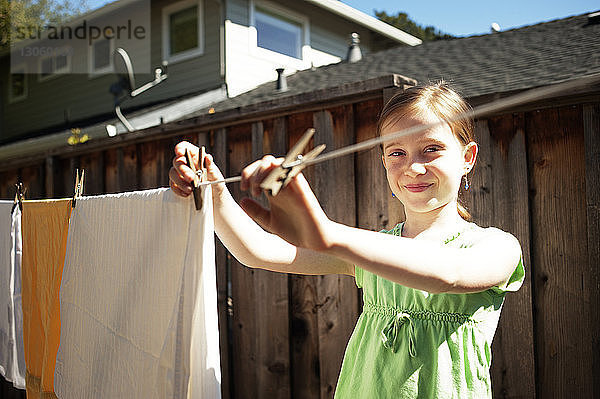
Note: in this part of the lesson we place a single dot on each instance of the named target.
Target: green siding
(194, 74)
(81, 97)
(238, 12)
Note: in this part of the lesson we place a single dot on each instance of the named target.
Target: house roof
(517, 59)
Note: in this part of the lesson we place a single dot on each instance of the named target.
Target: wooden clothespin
(293, 164)
(19, 196)
(199, 175)
(78, 190)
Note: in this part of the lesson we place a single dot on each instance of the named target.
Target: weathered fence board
(304, 353)
(8, 179)
(244, 331)
(111, 171)
(93, 165)
(504, 187)
(127, 168)
(336, 294)
(151, 164)
(49, 177)
(272, 306)
(591, 131)
(557, 178)
(372, 191)
(218, 148)
(33, 180)
(64, 176)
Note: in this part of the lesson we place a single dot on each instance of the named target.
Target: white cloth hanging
(12, 355)
(138, 299)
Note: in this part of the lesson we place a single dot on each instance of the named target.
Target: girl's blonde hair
(435, 98)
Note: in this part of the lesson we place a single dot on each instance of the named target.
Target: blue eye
(433, 149)
(396, 153)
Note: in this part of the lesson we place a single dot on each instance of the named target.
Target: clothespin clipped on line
(19, 196)
(199, 175)
(293, 164)
(78, 191)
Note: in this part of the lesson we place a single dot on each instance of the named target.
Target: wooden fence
(283, 336)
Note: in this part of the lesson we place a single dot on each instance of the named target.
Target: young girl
(433, 286)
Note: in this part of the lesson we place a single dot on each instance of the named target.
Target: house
(60, 78)
(481, 67)
(537, 177)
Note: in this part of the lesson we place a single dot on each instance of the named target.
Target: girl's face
(424, 170)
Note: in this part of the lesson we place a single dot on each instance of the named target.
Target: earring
(466, 182)
(393, 195)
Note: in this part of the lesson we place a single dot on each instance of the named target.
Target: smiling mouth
(417, 188)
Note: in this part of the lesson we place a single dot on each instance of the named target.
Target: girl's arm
(296, 215)
(246, 240)
(424, 264)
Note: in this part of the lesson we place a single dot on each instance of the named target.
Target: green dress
(409, 343)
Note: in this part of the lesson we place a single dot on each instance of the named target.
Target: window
(18, 84)
(101, 56)
(61, 63)
(278, 33)
(182, 30)
(279, 30)
(46, 67)
(51, 65)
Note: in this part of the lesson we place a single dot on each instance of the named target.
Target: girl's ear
(470, 155)
(383, 161)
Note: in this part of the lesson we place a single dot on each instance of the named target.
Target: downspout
(222, 44)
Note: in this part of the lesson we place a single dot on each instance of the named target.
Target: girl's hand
(295, 213)
(181, 176)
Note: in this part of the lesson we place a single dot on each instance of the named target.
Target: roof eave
(367, 21)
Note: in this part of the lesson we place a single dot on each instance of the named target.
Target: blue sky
(469, 17)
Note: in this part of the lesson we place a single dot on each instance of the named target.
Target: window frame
(42, 78)
(67, 68)
(283, 13)
(166, 13)
(11, 97)
(55, 72)
(91, 58)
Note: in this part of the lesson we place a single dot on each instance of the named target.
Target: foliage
(404, 23)
(36, 13)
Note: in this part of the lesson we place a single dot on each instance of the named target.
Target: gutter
(345, 11)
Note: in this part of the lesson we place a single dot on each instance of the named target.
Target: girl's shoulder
(484, 233)
(471, 234)
(474, 234)
(502, 249)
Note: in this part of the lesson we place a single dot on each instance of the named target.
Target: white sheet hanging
(138, 299)
(12, 355)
